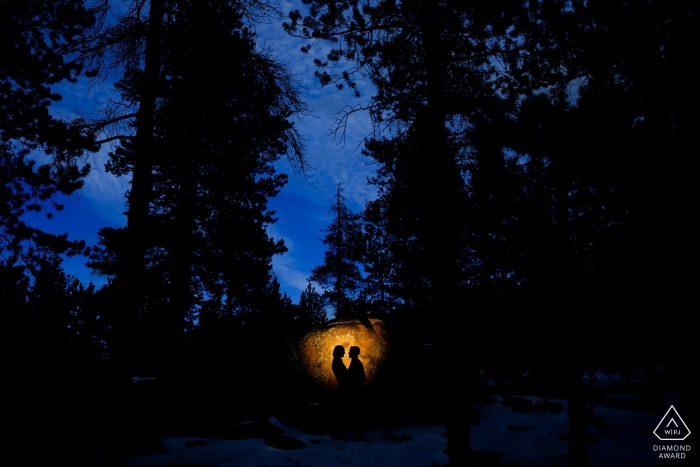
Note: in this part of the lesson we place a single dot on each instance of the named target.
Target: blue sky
(302, 206)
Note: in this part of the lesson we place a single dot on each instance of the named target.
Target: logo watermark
(671, 428)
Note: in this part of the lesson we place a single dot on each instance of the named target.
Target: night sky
(301, 207)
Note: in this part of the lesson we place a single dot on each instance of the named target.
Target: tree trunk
(578, 444)
(442, 189)
(131, 286)
(133, 279)
(172, 322)
(338, 260)
(563, 285)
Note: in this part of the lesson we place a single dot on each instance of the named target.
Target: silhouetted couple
(351, 382)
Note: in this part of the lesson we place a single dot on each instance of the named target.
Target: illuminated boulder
(316, 348)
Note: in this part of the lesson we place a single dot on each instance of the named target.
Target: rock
(252, 429)
(288, 443)
(316, 348)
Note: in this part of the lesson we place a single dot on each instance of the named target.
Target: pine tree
(589, 154)
(208, 251)
(174, 146)
(339, 275)
(378, 260)
(40, 305)
(312, 308)
(36, 43)
(453, 49)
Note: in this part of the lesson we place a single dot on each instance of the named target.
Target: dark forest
(532, 219)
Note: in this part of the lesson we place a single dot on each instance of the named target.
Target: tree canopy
(38, 42)
(516, 143)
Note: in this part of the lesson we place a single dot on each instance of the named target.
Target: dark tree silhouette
(142, 44)
(340, 275)
(37, 40)
(517, 100)
(379, 260)
(46, 321)
(202, 118)
(452, 47)
(199, 170)
(312, 307)
(592, 157)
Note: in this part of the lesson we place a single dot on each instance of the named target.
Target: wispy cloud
(303, 204)
(106, 191)
(288, 271)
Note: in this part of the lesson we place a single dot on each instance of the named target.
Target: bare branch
(114, 138)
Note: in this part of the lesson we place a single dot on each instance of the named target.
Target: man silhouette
(356, 373)
(355, 388)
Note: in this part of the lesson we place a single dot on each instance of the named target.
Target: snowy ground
(527, 439)
(627, 440)
(425, 446)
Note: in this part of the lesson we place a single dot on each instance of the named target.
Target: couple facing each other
(351, 380)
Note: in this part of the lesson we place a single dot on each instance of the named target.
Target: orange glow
(316, 348)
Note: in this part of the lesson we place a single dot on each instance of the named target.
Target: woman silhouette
(339, 369)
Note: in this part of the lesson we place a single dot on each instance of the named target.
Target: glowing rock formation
(316, 348)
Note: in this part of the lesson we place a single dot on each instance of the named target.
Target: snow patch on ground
(534, 439)
(426, 445)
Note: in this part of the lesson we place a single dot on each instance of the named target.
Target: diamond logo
(671, 427)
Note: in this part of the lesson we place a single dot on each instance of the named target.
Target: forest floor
(511, 431)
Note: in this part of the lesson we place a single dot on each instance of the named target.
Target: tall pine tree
(208, 251)
(339, 275)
